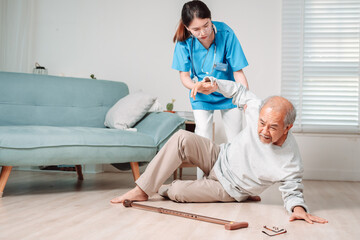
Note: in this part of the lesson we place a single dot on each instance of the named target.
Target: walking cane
(229, 225)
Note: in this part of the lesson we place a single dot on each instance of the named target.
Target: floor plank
(55, 205)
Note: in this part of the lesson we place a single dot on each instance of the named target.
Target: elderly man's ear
(288, 128)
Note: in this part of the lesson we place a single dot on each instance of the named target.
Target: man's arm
(292, 194)
(229, 89)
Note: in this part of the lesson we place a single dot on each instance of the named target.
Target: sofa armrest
(160, 125)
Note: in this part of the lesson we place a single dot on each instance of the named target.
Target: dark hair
(190, 10)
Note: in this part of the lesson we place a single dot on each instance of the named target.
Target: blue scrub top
(228, 51)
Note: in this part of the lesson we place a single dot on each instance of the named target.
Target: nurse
(208, 48)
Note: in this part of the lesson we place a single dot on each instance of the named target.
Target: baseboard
(92, 168)
(332, 175)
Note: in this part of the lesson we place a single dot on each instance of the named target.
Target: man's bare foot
(254, 198)
(135, 194)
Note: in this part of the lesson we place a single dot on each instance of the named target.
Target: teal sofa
(49, 120)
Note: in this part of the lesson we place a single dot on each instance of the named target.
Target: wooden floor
(54, 205)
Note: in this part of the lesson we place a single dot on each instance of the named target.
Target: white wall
(131, 41)
(330, 156)
(128, 41)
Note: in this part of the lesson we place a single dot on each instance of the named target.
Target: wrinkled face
(201, 28)
(271, 127)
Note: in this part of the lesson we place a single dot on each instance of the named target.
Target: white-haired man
(263, 153)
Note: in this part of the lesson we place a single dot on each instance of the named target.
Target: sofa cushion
(74, 155)
(48, 136)
(46, 145)
(160, 126)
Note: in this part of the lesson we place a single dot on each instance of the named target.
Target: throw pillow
(156, 107)
(128, 110)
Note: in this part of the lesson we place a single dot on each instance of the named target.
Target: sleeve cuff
(291, 207)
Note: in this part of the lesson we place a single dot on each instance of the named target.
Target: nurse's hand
(203, 87)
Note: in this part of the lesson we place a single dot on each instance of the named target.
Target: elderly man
(263, 153)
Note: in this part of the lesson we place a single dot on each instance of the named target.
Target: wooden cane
(229, 225)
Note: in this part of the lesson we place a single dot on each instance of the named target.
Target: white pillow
(156, 107)
(128, 110)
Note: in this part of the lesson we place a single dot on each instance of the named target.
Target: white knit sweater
(246, 166)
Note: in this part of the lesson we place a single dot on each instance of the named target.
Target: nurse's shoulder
(184, 44)
(222, 27)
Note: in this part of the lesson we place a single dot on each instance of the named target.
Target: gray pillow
(128, 110)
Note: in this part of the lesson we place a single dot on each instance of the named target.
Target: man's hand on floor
(300, 214)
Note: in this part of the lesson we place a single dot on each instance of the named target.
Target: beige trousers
(186, 147)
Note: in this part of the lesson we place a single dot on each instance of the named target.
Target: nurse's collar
(215, 30)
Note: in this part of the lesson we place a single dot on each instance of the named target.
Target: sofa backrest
(32, 99)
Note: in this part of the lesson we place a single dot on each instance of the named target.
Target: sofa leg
(79, 172)
(4, 176)
(135, 170)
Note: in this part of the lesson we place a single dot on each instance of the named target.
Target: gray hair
(290, 112)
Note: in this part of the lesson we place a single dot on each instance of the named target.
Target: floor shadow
(61, 182)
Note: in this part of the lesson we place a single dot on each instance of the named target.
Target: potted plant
(170, 106)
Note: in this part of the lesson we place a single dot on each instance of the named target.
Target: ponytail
(190, 10)
(181, 33)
